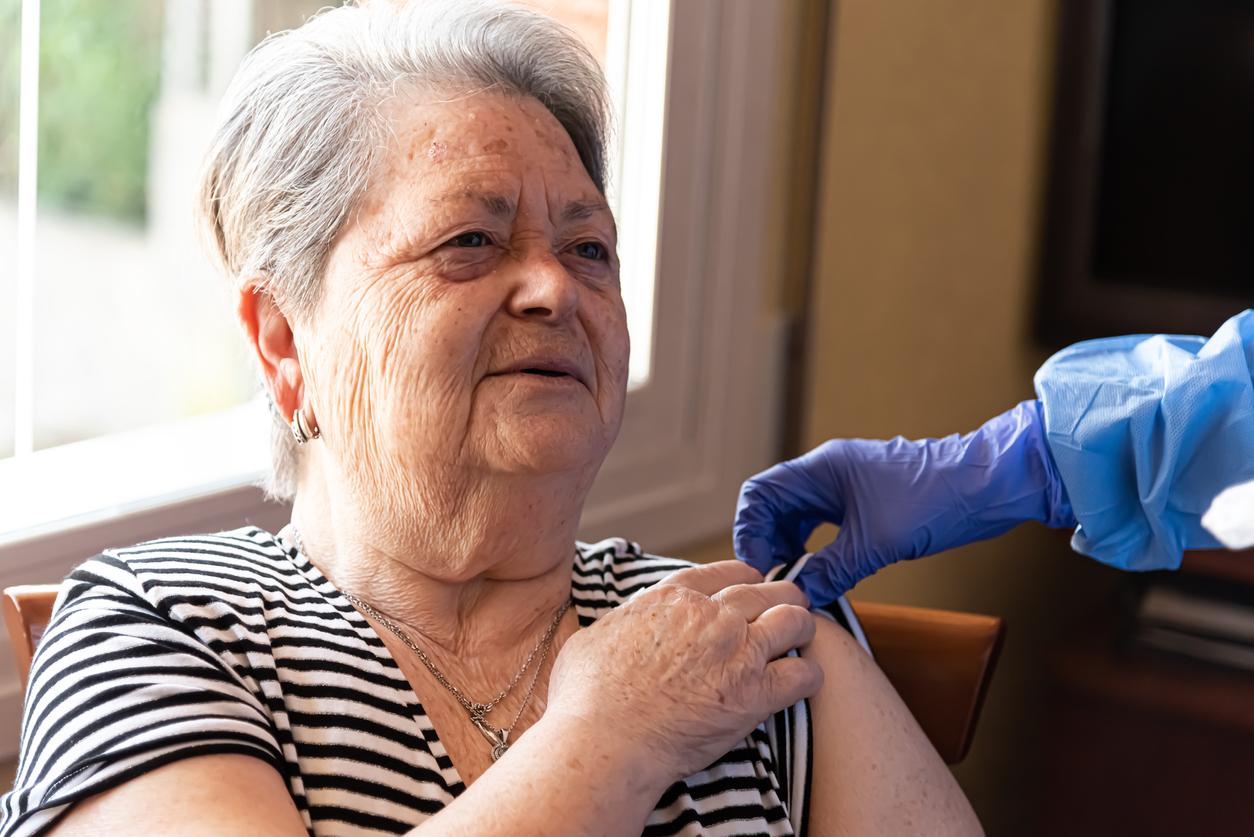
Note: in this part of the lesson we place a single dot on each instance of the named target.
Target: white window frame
(704, 420)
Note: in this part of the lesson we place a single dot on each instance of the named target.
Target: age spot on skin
(497, 146)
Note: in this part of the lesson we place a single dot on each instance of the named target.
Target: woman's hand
(687, 668)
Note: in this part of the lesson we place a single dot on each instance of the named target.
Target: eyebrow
(501, 206)
(497, 205)
(582, 210)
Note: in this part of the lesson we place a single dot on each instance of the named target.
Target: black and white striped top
(235, 643)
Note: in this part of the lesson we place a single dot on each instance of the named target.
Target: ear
(270, 337)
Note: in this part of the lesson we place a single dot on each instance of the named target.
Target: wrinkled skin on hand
(686, 669)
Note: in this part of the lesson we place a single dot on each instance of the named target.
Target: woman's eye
(591, 250)
(471, 239)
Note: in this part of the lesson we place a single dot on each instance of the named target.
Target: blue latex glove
(899, 499)
(1146, 431)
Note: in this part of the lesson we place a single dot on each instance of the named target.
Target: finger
(833, 571)
(767, 552)
(772, 523)
(755, 551)
(711, 578)
(791, 679)
(781, 629)
(758, 535)
(749, 601)
(818, 474)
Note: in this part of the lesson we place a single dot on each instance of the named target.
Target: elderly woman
(411, 202)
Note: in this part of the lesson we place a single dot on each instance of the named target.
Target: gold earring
(300, 429)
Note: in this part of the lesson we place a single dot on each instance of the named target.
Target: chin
(540, 447)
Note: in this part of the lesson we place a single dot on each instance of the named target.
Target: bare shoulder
(209, 795)
(875, 772)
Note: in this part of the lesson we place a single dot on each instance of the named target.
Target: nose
(543, 288)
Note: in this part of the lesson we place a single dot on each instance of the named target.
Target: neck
(479, 574)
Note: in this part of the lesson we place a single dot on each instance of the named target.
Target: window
(123, 323)
(118, 330)
(126, 399)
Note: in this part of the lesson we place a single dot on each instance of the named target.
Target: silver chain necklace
(498, 738)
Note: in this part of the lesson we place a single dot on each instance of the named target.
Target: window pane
(10, 43)
(132, 326)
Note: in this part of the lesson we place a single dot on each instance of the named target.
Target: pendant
(498, 738)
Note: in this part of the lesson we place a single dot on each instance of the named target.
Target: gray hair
(302, 128)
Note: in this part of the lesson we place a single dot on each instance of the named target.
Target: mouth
(547, 373)
(553, 369)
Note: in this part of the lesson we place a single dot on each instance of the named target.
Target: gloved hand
(899, 499)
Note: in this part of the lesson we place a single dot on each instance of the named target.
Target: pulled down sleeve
(118, 688)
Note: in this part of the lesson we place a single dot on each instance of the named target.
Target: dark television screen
(1175, 183)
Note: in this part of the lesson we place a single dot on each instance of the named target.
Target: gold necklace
(497, 737)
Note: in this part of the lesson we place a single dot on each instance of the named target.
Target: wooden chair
(939, 661)
(27, 611)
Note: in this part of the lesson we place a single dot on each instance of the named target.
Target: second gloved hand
(899, 499)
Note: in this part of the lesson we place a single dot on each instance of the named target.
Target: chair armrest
(27, 611)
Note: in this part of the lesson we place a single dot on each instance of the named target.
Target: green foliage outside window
(99, 73)
(10, 39)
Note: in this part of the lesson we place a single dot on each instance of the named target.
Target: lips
(547, 367)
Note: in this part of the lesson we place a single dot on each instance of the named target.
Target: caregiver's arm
(1131, 438)
(874, 771)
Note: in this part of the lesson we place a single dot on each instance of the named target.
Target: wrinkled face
(471, 319)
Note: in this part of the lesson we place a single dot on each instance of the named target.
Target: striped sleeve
(791, 732)
(117, 689)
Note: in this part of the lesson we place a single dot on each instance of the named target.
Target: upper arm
(119, 691)
(874, 771)
(209, 795)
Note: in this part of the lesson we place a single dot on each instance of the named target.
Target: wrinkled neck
(475, 570)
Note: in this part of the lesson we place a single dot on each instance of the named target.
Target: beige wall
(932, 146)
